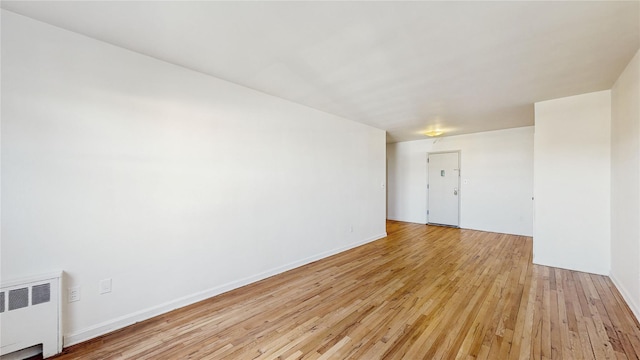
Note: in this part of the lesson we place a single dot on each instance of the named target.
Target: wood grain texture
(424, 292)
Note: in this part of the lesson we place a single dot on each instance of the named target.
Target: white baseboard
(633, 303)
(407, 221)
(537, 261)
(123, 321)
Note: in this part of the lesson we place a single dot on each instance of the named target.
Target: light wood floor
(423, 292)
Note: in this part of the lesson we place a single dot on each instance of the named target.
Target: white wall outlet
(350, 228)
(74, 294)
(105, 286)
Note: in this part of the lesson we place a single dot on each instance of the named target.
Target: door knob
(455, 191)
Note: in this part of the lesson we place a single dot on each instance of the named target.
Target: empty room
(320, 180)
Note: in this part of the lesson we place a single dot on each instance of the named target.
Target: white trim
(634, 306)
(123, 321)
(561, 266)
(407, 221)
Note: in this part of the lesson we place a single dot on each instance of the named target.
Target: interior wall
(175, 184)
(498, 167)
(573, 183)
(625, 184)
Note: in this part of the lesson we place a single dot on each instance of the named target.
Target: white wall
(625, 184)
(499, 169)
(572, 182)
(175, 184)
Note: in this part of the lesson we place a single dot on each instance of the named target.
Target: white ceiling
(405, 67)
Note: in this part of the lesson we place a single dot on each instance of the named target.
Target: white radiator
(30, 314)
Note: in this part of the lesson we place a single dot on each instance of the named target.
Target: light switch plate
(74, 294)
(105, 286)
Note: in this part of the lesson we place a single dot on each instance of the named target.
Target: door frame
(459, 152)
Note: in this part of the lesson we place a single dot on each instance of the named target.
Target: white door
(443, 188)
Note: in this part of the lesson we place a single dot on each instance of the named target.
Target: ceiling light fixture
(432, 133)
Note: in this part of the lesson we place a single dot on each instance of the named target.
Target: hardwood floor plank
(423, 292)
(566, 343)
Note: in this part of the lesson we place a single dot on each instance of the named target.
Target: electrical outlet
(105, 286)
(350, 228)
(74, 294)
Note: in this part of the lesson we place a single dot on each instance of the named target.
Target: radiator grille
(18, 298)
(40, 294)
